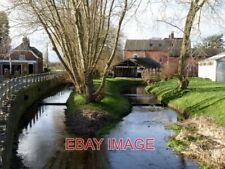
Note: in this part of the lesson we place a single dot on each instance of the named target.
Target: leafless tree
(195, 8)
(79, 31)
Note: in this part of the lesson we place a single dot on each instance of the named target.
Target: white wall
(207, 71)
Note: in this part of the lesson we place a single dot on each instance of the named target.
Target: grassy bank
(200, 135)
(202, 98)
(114, 103)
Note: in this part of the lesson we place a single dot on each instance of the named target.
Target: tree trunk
(89, 89)
(183, 83)
(183, 79)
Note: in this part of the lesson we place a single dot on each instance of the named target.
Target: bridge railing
(11, 86)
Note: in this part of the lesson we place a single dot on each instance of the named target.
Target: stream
(42, 133)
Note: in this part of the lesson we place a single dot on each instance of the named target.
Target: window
(160, 45)
(151, 44)
(21, 57)
(135, 56)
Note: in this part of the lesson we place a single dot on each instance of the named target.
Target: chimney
(26, 41)
(171, 36)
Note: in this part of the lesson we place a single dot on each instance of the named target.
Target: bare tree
(79, 31)
(195, 7)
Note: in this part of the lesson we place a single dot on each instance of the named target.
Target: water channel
(42, 132)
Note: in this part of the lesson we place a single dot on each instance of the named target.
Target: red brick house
(164, 51)
(24, 59)
(161, 50)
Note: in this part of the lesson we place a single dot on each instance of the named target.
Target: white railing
(11, 86)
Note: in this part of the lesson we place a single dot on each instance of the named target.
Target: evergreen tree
(214, 41)
(4, 34)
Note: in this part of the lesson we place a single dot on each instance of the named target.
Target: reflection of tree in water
(62, 159)
(79, 160)
(26, 121)
(135, 90)
(140, 91)
(138, 96)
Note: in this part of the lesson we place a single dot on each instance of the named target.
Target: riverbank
(99, 118)
(201, 133)
(24, 99)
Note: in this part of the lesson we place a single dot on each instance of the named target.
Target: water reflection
(40, 143)
(78, 160)
(43, 135)
(41, 140)
(138, 92)
(146, 122)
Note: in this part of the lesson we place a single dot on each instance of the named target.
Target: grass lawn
(114, 102)
(203, 97)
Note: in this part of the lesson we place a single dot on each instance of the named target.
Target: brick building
(164, 51)
(161, 50)
(24, 59)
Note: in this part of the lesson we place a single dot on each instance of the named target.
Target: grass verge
(114, 103)
(176, 145)
(202, 98)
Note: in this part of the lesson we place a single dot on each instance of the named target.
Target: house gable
(23, 55)
(169, 45)
(25, 48)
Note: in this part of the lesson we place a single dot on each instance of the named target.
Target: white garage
(213, 68)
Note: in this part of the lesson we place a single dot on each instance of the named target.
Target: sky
(144, 24)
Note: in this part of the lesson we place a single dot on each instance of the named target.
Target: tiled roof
(145, 62)
(25, 46)
(216, 57)
(205, 52)
(26, 53)
(171, 45)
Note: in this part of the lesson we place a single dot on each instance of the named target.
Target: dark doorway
(139, 75)
(6, 69)
(31, 68)
(16, 69)
(19, 69)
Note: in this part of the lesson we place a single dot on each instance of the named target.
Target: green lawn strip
(203, 97)
(176, 145)
(113, 103)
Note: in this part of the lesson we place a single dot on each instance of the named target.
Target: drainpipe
(216, 67)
